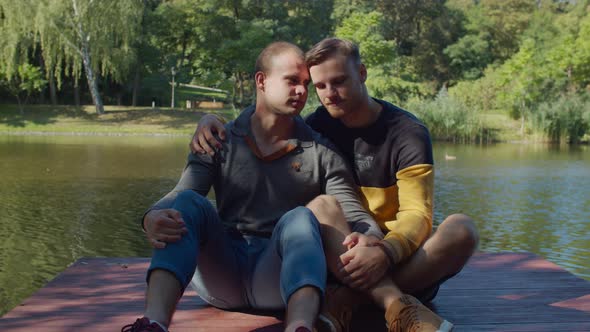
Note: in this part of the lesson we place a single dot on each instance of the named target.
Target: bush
(448, 119)
(564, 120)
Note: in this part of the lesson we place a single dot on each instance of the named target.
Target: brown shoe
(407, 314)
(339, 303)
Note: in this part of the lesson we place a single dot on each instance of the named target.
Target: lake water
(62, 198)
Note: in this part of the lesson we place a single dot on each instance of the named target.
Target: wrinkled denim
(231, 270)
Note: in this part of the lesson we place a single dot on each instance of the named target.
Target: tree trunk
(236, 6)
(522, 120)
(90, 77)
(76, 93)
(85, 53)
(52, 90)
(240, 89)
(136, 82)
(185, 37)
(42, 96)
(20, 105)
(234, 93)
(92, 84)
(106, 86)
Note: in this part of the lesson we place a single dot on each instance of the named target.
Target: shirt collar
(302, 136)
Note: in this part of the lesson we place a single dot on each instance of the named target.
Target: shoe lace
(406, 321)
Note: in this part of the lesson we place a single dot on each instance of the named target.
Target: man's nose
(301, 89)
(331, 91)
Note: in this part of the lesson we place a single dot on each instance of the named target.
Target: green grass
(148, 121)
(502, 127)
(116, 120)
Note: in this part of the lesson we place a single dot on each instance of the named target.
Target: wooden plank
(495, 292)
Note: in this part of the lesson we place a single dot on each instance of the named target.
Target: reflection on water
(62, 198)
(524, 198)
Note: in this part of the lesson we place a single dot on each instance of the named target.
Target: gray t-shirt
(252, 193)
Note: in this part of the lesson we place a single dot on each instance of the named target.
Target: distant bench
(192, 104)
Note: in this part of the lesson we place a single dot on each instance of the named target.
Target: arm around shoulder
(208, 134)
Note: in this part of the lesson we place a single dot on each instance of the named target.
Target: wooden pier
(495, 292)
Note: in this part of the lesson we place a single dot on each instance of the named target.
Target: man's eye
(339, 81)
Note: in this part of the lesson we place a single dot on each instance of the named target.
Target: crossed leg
(443, 255)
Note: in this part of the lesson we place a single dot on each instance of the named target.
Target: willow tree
(90, 35)
(17, 41)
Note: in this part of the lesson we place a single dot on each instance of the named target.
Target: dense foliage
(451, 62)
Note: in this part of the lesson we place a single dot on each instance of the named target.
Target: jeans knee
(195, 208)
(302, 216)
(298, 224)
(190, 198)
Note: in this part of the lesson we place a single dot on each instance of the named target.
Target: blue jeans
(234, 271)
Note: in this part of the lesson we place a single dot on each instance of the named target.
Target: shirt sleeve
(415, 183)
(340, 184)
(198, 175)
(413, 223)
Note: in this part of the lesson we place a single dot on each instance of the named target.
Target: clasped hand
(364, 264)
(163, 226)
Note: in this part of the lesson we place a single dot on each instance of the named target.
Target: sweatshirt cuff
(392, 249)
(374, 232)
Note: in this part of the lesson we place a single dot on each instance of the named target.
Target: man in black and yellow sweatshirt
(390, 151)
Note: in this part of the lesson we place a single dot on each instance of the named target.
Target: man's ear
(363, 72)
(259, 79)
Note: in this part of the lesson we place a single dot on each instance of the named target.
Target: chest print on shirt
(296, 166)
(363, 163)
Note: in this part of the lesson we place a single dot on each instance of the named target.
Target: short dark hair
(272, 50)
(330, 46)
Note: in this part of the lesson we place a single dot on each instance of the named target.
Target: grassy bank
(44, 119)
(39, 119)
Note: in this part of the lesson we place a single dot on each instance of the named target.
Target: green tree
(18, 35)
(366, 30)
(341, 9)
(94, 36)
(238, 55)
(521, 78)
(469, 56)
(27, 80)
(481, 94)
(499, 24)
(581, 54)
(421, 30)
(379, 55)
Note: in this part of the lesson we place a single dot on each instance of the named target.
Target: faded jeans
(232, 270)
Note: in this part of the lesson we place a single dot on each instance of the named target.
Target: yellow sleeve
(413, 221)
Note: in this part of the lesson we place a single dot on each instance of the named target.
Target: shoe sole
(446, 326)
